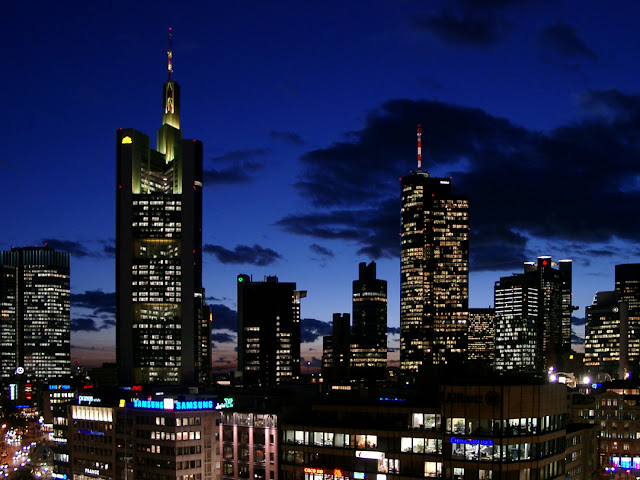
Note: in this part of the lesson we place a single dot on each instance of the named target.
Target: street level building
(162, 324)
(434, 273)
(35, 319)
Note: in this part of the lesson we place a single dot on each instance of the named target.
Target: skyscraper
(434, 272)
(628, 290)
(268, 331)
(162, 324)
(606, 335)
(369, 332)
(336, 349)
(532, 312)
(481, 336)
(35, 320)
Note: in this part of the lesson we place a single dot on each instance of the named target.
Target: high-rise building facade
(268, 331)
(369, 332)
(434, 273)
(481, 336)
(532, 310)
(606, 336)
(35, 322)
(336, 349)
(628, 290)
(162, 324)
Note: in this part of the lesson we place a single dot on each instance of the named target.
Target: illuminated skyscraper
(434, 272)
(268, 331)
(628, 290)
(606, 335)
(532, 312)
(162, 330)
(481, 336)
(369, 332)
(35, 320)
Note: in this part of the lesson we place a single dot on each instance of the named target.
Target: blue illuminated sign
(91, 432)
(59, 387)
(358, 475)
(471, 441)
(22, 406)
(387, 399)
(194, 405)
(152, 404)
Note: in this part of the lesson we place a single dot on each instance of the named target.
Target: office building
(434, 273)
(531, 315)
(369, 332)
(35, 319)
(481, 336)
(162, 324)
(336, 350)
(606, 336)
(628, 290)
(268, 331)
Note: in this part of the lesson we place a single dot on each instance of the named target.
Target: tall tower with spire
(162, 323)
(434, 273)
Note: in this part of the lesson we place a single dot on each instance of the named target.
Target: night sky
(308, 113)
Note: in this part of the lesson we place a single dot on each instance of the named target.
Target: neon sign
(91, 432)
(59, 387)
(228, 403)
(471, 441)
(195, 405)
(318, 471)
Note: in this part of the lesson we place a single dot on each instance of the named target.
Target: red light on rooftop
(544, 262)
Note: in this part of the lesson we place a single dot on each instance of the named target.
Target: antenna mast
(170, 56)
(419, 146)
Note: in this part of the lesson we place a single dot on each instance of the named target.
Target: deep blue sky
(307, 111)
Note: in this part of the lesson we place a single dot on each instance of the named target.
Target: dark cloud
(475, 23)
(609, 105)
(392, 350)
(223, 318)
(76, 249)
(320, 250)
(311, 329)
(306, 363)
(290, 138)
(243, 254)
(562, 41)
(576, 340)
(464, 29)
(96, 300)
(393, 330)
(222, 337)
(520, 183)
(238, 166)
(85, 324)
(578, 321)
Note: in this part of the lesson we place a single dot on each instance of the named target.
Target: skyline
(308, 116)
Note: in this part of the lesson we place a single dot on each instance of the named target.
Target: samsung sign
(180, 405)
(471, 441)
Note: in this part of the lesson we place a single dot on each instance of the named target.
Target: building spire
(419, 146)
(170, 57)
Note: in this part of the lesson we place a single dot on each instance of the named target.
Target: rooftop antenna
(419, 146)
(170, 56)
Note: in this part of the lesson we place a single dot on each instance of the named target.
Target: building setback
(162, 324)
(35, 319)
(628, 290)
(268, 331)
(434, 273)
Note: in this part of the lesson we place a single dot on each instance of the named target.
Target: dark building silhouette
(35, 319)
(336, 349)
(606, 336)
(369, 332)
(162, 323)
(628, 290)
(531, 315)
(434, 273)
(268, 331)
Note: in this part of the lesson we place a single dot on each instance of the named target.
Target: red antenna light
(419, 146)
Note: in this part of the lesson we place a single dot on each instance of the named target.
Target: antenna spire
(419, 146)
(170, 57)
